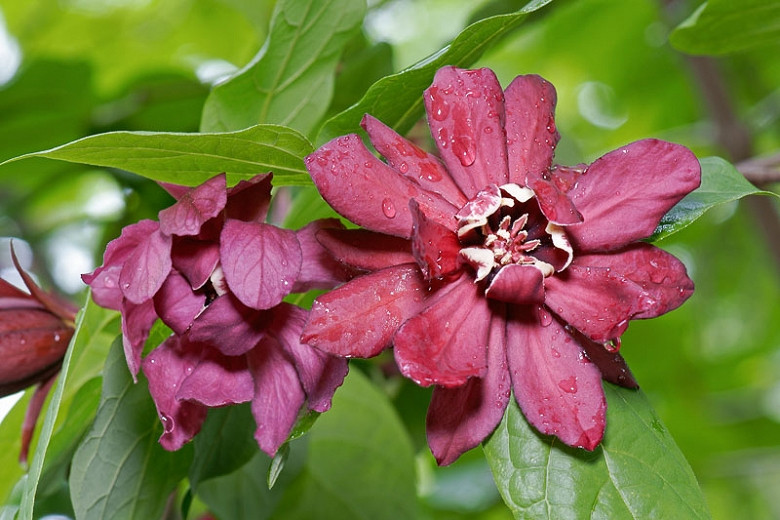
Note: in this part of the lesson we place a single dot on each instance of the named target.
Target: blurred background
(71, 68)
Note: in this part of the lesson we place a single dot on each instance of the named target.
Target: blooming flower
(497, 270)
(215, 273)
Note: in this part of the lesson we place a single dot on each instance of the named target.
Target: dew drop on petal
(545, 318)
(568, 385)
(167, 423)
(555, 353)
(440, 109)
(464, 149)
(403, 167)
(388, 208)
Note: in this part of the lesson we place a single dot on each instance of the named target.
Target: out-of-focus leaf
(120, 470)
(720, 183)
(397, 100)
(11, 440)
(637, 472)
(290, 81)
(192, 158)
(725, 26)
(362, 65)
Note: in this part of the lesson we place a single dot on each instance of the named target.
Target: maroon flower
(498, 270)
(216, 274)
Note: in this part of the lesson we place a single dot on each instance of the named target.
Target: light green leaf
(290, 81)
(637, 472)
(191, 158)
(397, 100)
(720, 183)
(119, 470)
(725, 26)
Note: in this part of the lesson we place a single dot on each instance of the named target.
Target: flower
(215, 273)
(497, 271)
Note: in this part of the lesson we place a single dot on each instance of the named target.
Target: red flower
(498, 270)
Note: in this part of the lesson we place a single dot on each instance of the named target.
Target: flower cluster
(215, 273)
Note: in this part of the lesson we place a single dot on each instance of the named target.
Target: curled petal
(217, 380)
(366, 250)
(195, 259)
(177, 304)
(557, 387)
(146, 268)
(359, 318)
(52, 302)
(230, 326)
(249, 200)
(137, 321)
(319, 269)
(435, 247)
(624, 194)
(31, 415)
(520, 284)
(194, 208)
(610, 363)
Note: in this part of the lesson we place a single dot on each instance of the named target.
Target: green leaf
(637, 472)
(290, 80)
(397, 100)
(119, 470)
(720, 183)
(191, 158)
(725, 26)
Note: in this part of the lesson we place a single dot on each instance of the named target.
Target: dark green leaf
(725, 26)
(397, 100)
(119, 470)
(190, 159)
(720, 183)
(290, 81)
(637, 472)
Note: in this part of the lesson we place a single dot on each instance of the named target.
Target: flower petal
(249, 200)
(557, 387)
(194, 207)
(365, 249)
(104, 283)
(278, 394)
(610, 363)
(412, 161)
(137, 321)
(195, 259)
(460, 418)
(624, 194)
(31, 341)
(319, 269)
(165, 368)
(520, 284)
(177, 304)
(359, 318)
(435, 247)
(447, 342)
(146, 268)
(230, 326)
(261, 262)
(466, 116)
(217, 380)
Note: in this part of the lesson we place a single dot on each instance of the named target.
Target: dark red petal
(278, 394)
(460, 418)
(557, 387)
(319, 269)
(624, 194)
(8, 290)
(319, 373)
(165, 368)
(230, 326)
(359, 318)
(553, 202)
(610, 363)
(466, 116)
(514, 283)
(147, 267)
(412, 161)
(195, 207)
(435, 247)
(137, 321)
(249, 200)
(34, 408)
(366, 250)
(104, 282)
(195, 259)
(367, 191)
(55, 304)
(261, 262)
(177, 304)
(217, 380)
(447, 342)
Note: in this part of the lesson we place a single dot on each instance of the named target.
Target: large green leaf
(397, 100)
(720, 183)
(290, 81)
(119, 470)
(637, 472)
(725, 26)
(191, 158)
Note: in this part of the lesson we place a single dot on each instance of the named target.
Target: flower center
(502, 226)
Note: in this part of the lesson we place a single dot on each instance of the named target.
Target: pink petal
(447, 342)
(177, 304)
(367, 191)
(278, 395)
(137, 321)
(195, 207)
(176, 191)
(557, 387)
(460, 418)
(230, 326)
(466, 116)
(624, 194)
(520, 284)
(217, 380)
(319, 373)
(319, 269)
(165, 368)
(104, 283)
(261, 262)
(412, 161)
(249, 200)
(366, 250)
(435, 247)
(195, 259)
(359, 318)
(147, 267)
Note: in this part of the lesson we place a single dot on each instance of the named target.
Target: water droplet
(551, 125)
(126, 285)
(368, 164)
(464, 149)
(443, 137)
(568, 385)
(488, 130)
(555, 353)
(545, 318)
(430, 172)
(56, 337)
(388, 208)
(403, 167)
(322, 161)
(22, 341)
(440, 109)
(167, 423)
